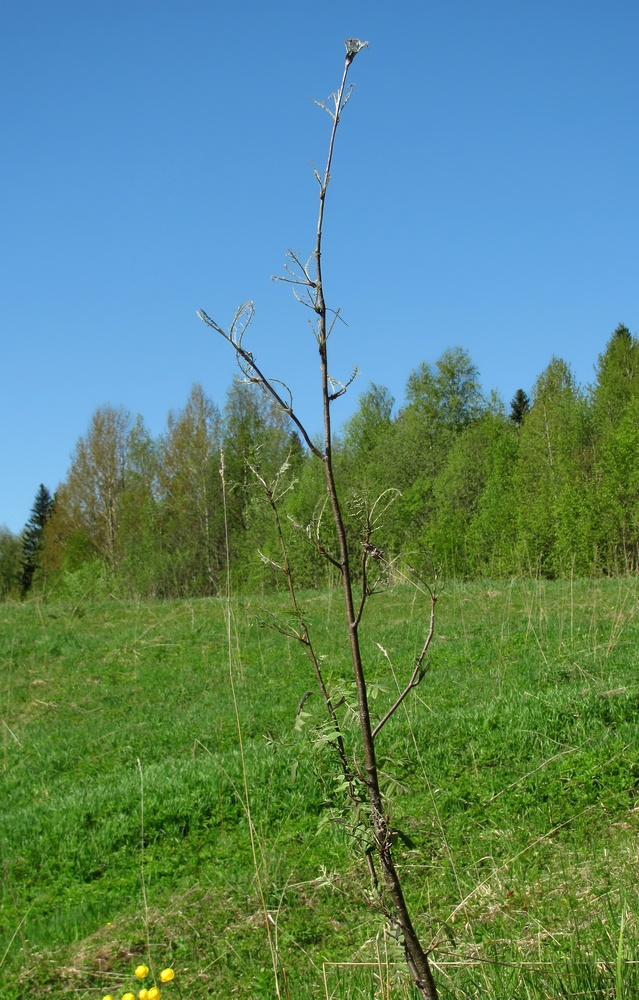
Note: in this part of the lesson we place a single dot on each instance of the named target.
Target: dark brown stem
(416, 957)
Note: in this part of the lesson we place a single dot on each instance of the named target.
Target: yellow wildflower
(143, 994)
(167, 975)
(142, 971)
(153, 994)
(128, 996)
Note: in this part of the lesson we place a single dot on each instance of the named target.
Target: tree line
(460, 484)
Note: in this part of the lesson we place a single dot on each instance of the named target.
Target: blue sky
(157, 159)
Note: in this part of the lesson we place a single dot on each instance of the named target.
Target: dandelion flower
(142, 971)
(153, 994)
(167, 975)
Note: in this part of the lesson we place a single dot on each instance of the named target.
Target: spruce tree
(32, 536)
(519, 407)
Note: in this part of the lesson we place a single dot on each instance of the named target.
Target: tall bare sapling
(361, 783)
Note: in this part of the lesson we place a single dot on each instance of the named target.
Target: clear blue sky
(156, 159)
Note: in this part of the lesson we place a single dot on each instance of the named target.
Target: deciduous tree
(551, 478)
(615, 407)
(87, 504)
(10, 564)
(190, 493)
(139, 543)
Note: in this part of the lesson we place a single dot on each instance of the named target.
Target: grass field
(513, 777)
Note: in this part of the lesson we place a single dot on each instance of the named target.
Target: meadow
(128, 806)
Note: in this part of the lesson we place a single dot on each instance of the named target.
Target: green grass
(513, 776)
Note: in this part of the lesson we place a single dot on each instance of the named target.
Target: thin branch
(336, 316)
(288, 281)
(303, 267)
(322, 105)
(316, 541)
(418, 673)
(373, 515)
(343, 386)
(259, 376)
(307, 303)
(365, 591)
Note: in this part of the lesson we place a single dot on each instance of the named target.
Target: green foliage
(552, 497)
(471, 464)
(89, 500)
(369, 425)
(189, 505)
(10, 564)
(257, 439)
(617, 371)
(492, 532)
(142, 559)
(615, 405)
(550, 489)
(308, 524)
(450, 396)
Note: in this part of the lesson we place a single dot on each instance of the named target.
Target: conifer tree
(32, 536)
(519, 407)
